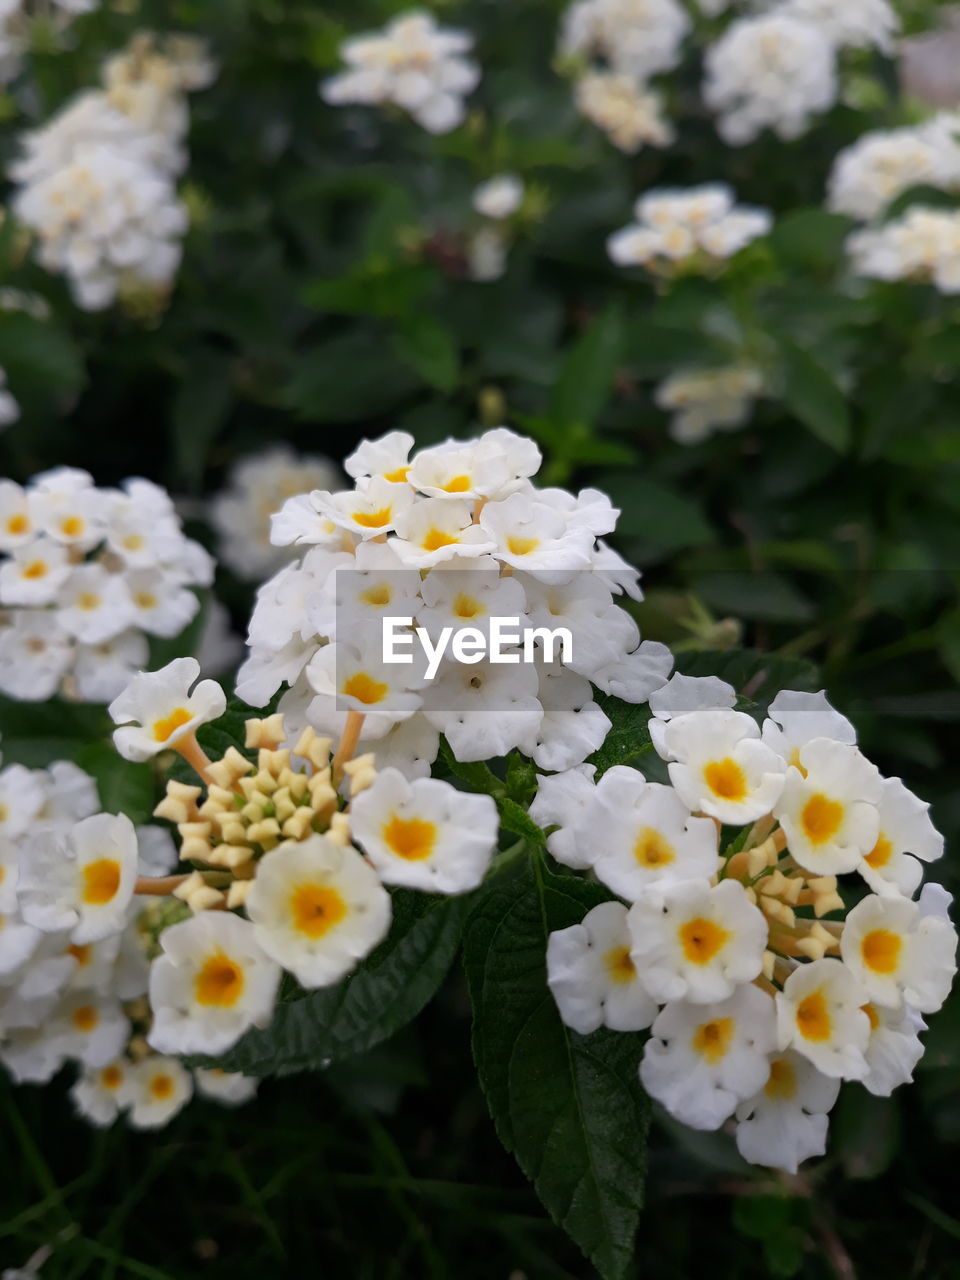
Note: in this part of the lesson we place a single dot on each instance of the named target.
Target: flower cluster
(882, 165)
(97, 182)
(269, 833)
(631, 115)
(691, 229)
(413, 64)
(707, 400)
(257, 486)
(922, 245)
(758, 1003)
(86, 575)
(496, 201)
(452, 539)
(75, 947)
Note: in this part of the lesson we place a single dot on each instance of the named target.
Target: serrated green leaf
(382, 995)
(628, 739)
(569, 1107)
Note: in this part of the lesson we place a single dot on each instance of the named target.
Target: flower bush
(575, 295)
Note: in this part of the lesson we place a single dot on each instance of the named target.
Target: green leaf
(200, 408)
(585, 380)
(387, 991)
(477, 775)
(810, 239)
(628, 739)
(124, 787)
(569, 1107)
(39, 358)
(759, 594)
(513, 817)
(812, 395)
(428, 348)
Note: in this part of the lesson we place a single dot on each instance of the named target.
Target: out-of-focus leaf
(812, 395)
(429, 349)
(588, 371)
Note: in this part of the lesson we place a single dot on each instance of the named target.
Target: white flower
(413, 63)
(858, 24)
(411, 747)
(83, 880)
(104, 670)
(437, 529)
(229, 1088)
(21, 799)
(676, 225)
(257, 486)
(484, 710)
(100, 1092)
(317, 909)
(34, 573)
(797, 718)
(639, 38)
(820, 1015)
(899, 954)
(16, 519)
(156, 1089)
(535, 536)
(35, 653)
(785, 1123)
(90, 1028)
(386, 457)
(69, 794)
(769, 71)
(894, 1048)
(720, 767)
(370, 510)
(211, 983)
(565, 800)
(697, 943)
(163, 708)
(425, 834)
(828, 808)
(923, 244)
(709, 400)
(592, 977)
(572, 725)
(94, 605)
(682, 694)
(648, 835)
(869, 175)
(906, 834)
(702, 1059)
(629, 114)
(498, 197)
(346, 679)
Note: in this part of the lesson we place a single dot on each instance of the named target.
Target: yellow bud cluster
(249, 808)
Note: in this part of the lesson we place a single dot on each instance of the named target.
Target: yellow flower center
(782, 1082)
(398, 476)
(220, 982)
(701, 940)
(18, 524)
(161, 1087)
(880, 854)
(467, 607)
(378, 596)
(518, 546)
(101, 880)
(813, 1017)
(111, 1077)
(410, 838)
(726, 779)
(80, 953)
(88, 600)
(712, 1039)
(163, 730)
(364, 688)
(133, 541)
(619, 965)
(459, 484)
(373, 519)
(434, 539)
(880, 950)
(71, 526)
(35, 569)
(145, 599)
(821, 818)
(652, 850)
(85, 1018)
(315, 909)
(872, 1016)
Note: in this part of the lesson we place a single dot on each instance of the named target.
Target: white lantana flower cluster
(86, 575)
(692, 229)
(707, 400)
(454, 537)
(75, 946)
(880, 166)
(257, 486)
(412, 64)
(97, 182)
(270, 834)
(757, 1002)
(923, 245)
(624, 43)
